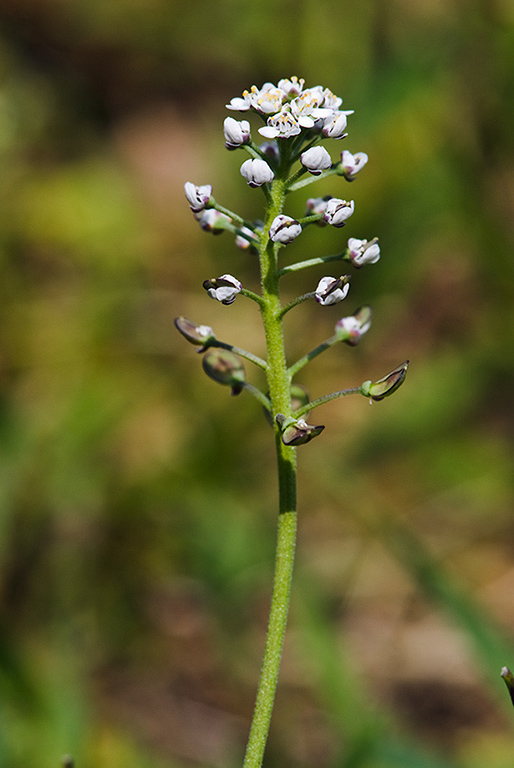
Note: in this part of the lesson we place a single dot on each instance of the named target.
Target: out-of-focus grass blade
(367, 733)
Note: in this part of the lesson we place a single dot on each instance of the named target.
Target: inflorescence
(296, 120)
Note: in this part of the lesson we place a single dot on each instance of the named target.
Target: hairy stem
(326, 399)
(286, 539)
(293, 370)
(279, 384)
(313, 263)
(241, 352)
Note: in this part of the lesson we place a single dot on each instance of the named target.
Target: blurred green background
(137, 498)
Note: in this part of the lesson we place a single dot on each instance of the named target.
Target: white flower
(212, 221)
(316, 160)
(284, 229)
(292, 87)
(224, 288)
(197, 197)
(337, 211)
(256, 172)
(331, 290)
(335, 125)
(363, 252)
(266, 100)
(331, 101)
(351, 329)
(352, 164)
(239, 104)
(281, 126)
(236, 132)
(307, 107)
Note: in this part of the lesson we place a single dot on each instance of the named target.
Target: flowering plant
(297, 120)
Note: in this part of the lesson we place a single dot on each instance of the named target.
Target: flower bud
(351, 329)
(224, 288)
(197, 197)
(508, 679)
(225, 368)
(199, 335)
(296, 431)
(334, 126)
(352, 164)
(384, 387)
(271, 150)
(284, 229)
(363, 252)
(213, 221)
(316, 160)
(256, 172)
(236, 132)
(337, 211)
(331, 290)
(247, 239)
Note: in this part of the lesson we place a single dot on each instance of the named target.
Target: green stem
(260, 396)
(284, 561)
(241, 352)
(304, 147)
(227, 212)
(293, 370)
(256, 152)
(279, 384)
(326, 399)
(313, 263)
(295, 302)
(335, 170)
(253, 296)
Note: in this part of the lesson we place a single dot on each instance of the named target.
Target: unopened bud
(246, 239)
(271, 150)
(331, 290)
(363, 252)
(337, 211)
(296, 431)
(236, 132)
(508, 678)
(199, 335)
(284, 229)
(351, 329)
(352, 164)
(197, 196)
(213, 221)
(384, 387)
(316, 160)
(224, 288)
(316, 206)
(256, 172)
(225, 368)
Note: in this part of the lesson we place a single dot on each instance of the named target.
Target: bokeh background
(137, 498)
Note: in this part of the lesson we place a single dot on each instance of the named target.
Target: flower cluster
(289, 108)
(297, 121)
